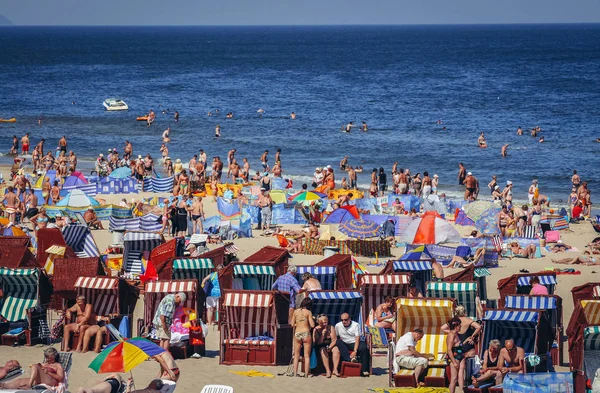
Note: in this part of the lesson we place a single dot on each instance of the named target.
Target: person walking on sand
(303, 323)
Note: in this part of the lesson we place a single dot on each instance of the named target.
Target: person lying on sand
(114, 384)
(527, 252)
(8, 367)
(560, 247)
(581, 260)
(461, 262)
(49, 373)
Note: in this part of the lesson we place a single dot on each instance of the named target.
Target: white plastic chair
(217, 389)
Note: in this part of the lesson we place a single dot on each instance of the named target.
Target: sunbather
(97, 332)
(581, 260)
(490, 368)
(527, 252)
(8, 367)
(560, 247)
(384, 314)
(458, 261)
(114, 384)
(511, 358)
(49, 373)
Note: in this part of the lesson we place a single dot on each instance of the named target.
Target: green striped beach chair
(190, 268)
(465, 294)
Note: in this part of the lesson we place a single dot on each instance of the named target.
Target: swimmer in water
(481, 141)
(293, 116)
(519, 131)
(260, 112)
(349, 127)
(165, 136)
(218, 131)
(364, 127)
(542, 140)
(504, 150)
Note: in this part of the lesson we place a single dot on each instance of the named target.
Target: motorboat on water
(113, 104)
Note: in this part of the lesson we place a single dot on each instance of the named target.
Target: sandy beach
(199, 372)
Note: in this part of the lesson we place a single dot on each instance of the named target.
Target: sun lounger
(65, 360)
(12, 374)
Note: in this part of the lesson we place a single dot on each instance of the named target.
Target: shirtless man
(128, 148)
(246, 170)
(140, 171)
(197, 215)
(151, 117)
(402, 182)
(364, 127)
(148, 165)
(202, 157)
(293, 116)
(575, 180)
(91, 219)
(12, 202)
(15, 146)
(344, 163)
(85, 318)
(40, 147)
(218, 168)
(192, 167)
(277, 169)
(504, 150)
(166, 138)
(200, 171)
(113, 383)
(234, 169)
(470, 185)
(25, 144)
(21, 183)
(168, 367)
(278, 156)
(184, 182)
(344, 200)
(503, 220)
(519, 131)
(62, 144)
(55, 192)
(352, 177)
(218, 131)
(264, 159)
(513, 356)
(230, 158)
(31, 202)
(164, 152)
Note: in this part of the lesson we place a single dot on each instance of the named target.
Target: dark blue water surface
(400, 80)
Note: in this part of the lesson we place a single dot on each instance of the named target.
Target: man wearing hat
(164, 317)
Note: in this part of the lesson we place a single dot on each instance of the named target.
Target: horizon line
(314, 25)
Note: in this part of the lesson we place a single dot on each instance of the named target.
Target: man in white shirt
(408, 357)
(350, 345)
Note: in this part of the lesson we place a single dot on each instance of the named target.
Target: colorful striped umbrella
(303, 196)
(124, 355)
(360, 229)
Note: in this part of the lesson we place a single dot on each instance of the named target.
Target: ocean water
(400, 80)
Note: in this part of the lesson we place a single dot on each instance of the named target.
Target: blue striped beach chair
(80, 239)
(135, 245)
(421, 272)
(334, 303)
(326, 275)
(518, 284)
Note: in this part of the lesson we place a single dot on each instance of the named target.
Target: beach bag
(552, 236)
(313, 359)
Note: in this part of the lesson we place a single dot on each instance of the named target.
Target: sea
(426, 93)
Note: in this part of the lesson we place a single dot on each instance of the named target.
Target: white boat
(113, 104)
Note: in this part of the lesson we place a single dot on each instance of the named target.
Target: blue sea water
(400, 80)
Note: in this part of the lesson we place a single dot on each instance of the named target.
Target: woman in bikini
(55, 193)
(310, 283)
(40, 220)
(302, 322)
(456, 354)
(325, 339)
(49, 373)
(384, 316)
(527, 252)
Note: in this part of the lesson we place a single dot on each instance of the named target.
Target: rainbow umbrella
(304, 196)
(124, 355)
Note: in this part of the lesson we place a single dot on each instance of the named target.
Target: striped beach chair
(547, 281)
(375, 288)
(551, 305)
(428, 314)
(334, 303)
(421, 272)
(465, 294)
(255, 330)
(326, 275)
(584, 340)
(253, 277)
(190, 268)
(518, 284)
(135, 245)
(155, 291)
(80, 239)
(521, 325)
(589, 291)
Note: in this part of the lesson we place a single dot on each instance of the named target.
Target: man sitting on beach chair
(408, 357)
(91, 219)
(511, 358)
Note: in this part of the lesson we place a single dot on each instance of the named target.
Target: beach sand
(199, 372)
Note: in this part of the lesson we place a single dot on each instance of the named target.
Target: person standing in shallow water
(462, 174)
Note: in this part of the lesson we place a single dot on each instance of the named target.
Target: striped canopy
(375, 288)
(481, 272)
(20, 287)
(591, 338)
(530, 302)
(591, 309)
(254, 277)
(326, 275)
(544, 280)
(252, 314)
(148, 222)
(429, 315)
(101, 292)
(465, 294)
(188, 268)
(155, 291)
(597, 291)
(421, 270)
(135, 244)
(80, 239)
(504, 324)
(335, 303)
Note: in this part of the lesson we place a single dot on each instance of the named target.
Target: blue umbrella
(360, 229)
(339, 216)
(420, 253)
(120, 173)
(488, 222)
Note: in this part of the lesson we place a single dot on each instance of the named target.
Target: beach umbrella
(420, 253)
(339, 216)
(9, 229)
(488, 222)
(431, 228)
(50, 174)
(124, 355)
(76, 179)
(474, 210)
(360, 229)
(120, 173)
(77, 198)
(304, 196)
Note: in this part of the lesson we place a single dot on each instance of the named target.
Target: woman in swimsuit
(49, 373)
(490, 365)
(40, 220)
(456, 355)
(527, 252)
(325, 339)
(303, 322)
(310, 283)
(55, 192)
(417, 184)
(46, 186)
(384, 314)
